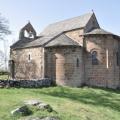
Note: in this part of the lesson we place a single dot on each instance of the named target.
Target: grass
(69, 103)
(3, 77)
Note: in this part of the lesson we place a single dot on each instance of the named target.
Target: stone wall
(29, 63)
(25, 83)
(65, 65)
(76, 35)
(106, 73)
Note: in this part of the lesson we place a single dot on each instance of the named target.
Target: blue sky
(43, 12)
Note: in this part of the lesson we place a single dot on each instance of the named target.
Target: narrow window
(117, 58)
(29, 57)
(94, 58)
(77, 63)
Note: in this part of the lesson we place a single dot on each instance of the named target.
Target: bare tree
(4, 30)
(1, 59)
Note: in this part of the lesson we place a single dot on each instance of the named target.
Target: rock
(45, 82)
(35, 118)
(23, 110)
(46, 118)
(49, 118)
(43, 106)
(32, 102)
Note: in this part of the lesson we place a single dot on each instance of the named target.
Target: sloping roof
(98, 31)
(26, 43)
(66, 25)
(54, 30)
(62, 40)
(22, 43)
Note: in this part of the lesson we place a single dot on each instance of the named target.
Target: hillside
(69, 103)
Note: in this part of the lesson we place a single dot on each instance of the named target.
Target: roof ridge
(67, 24)
(90, 13)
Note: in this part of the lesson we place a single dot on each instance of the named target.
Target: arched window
(94, 58)
(28, 34)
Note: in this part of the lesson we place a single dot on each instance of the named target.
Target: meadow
(68, 103)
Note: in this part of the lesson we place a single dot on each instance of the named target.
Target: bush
(2, 72)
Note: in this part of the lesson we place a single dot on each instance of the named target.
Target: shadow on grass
(97, 97)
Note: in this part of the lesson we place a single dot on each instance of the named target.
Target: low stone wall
(25, 83)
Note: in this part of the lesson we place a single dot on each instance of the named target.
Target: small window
(118, 58)
(77, 63)
(94, 58)
(29, 57)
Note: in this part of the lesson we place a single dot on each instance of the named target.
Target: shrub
(2, 72)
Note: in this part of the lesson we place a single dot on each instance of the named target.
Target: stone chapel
(72, 52)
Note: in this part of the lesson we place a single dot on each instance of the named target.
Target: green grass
(69, 103)
(3, 77)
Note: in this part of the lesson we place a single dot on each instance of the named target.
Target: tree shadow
(102, 97)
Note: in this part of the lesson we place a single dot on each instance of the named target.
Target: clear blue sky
(43, 12)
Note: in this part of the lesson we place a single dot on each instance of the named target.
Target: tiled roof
(62, 40)
(98, 32)
(25, 43)
(66, 25)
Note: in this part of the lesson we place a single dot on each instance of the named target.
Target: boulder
(23, 110)
(44, 106)
(49, 118)
(32, 102)
(35, 118)
(46, 118)
(39, 105)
